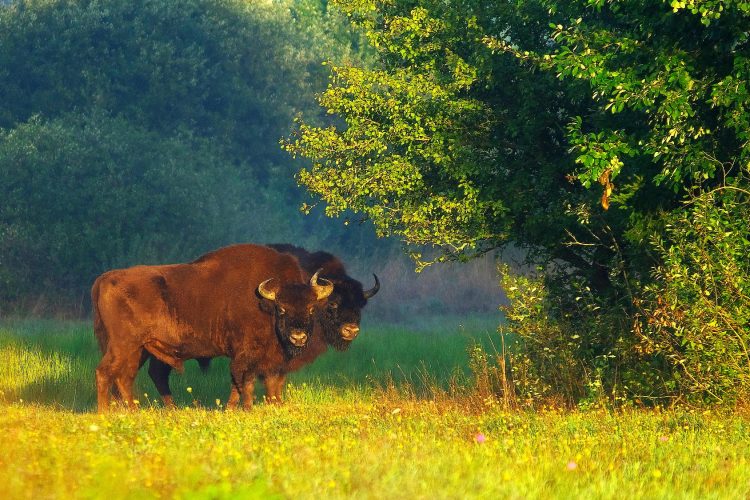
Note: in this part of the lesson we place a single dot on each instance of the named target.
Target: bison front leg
(243, 385)
(274, 386)
(234, 397)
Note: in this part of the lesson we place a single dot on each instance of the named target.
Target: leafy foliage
(677, 81)
(697, 312)
(223, 68)
(673, 83)
(434, 145)
(467, 135)
(87, 193)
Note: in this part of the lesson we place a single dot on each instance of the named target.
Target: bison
(337, 324)
(250, 303)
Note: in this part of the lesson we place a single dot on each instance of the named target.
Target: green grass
(342, 433)
(53, 362)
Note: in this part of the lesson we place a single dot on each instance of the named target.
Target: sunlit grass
(343, 432)
(376, 449)
(22, 366)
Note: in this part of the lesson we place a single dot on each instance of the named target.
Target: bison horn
(322, 290)
(266, 292)
(372, 291)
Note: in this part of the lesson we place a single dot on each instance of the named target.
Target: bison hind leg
(159, 373)
(104, 382)
(125, 376)
(115, 374)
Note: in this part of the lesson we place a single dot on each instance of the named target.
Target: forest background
(606, 143)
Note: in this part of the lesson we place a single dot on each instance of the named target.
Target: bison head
(294, 306)
(341, 317)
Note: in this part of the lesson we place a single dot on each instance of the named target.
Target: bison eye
(333, 305)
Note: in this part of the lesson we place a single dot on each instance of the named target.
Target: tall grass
(384, 448)
(53, 362)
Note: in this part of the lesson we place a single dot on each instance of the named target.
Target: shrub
(84, 193)
(548, 360)
(696, 314)
(574, 346)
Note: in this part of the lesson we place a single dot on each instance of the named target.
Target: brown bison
(247, 302)
(337, 324)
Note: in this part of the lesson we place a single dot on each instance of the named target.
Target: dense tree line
(147, 131)
(610, 139)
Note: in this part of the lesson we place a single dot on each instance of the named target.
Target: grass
(53, 362)
(343, 432)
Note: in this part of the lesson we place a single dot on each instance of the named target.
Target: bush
(696, 314)
(562, 345)
(84, 193)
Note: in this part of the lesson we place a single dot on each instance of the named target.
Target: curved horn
(321, 290)
(265, 292)
(372, 291)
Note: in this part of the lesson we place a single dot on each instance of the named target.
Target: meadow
(394, 417)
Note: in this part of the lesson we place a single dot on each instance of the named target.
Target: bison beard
(248, 302)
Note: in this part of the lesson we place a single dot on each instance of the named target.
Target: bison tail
(100, 332)
(204, 364)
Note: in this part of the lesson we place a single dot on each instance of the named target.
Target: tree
(135, 131)
(467, 134)
(671, 114)
(442, 137)
(84, 193)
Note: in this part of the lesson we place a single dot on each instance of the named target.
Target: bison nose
(349, 331)
(298, 338)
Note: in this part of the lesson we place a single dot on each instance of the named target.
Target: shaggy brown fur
(340, 320)
(207, 308)
(338, 323)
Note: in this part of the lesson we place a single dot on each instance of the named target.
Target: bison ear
(267, 291)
